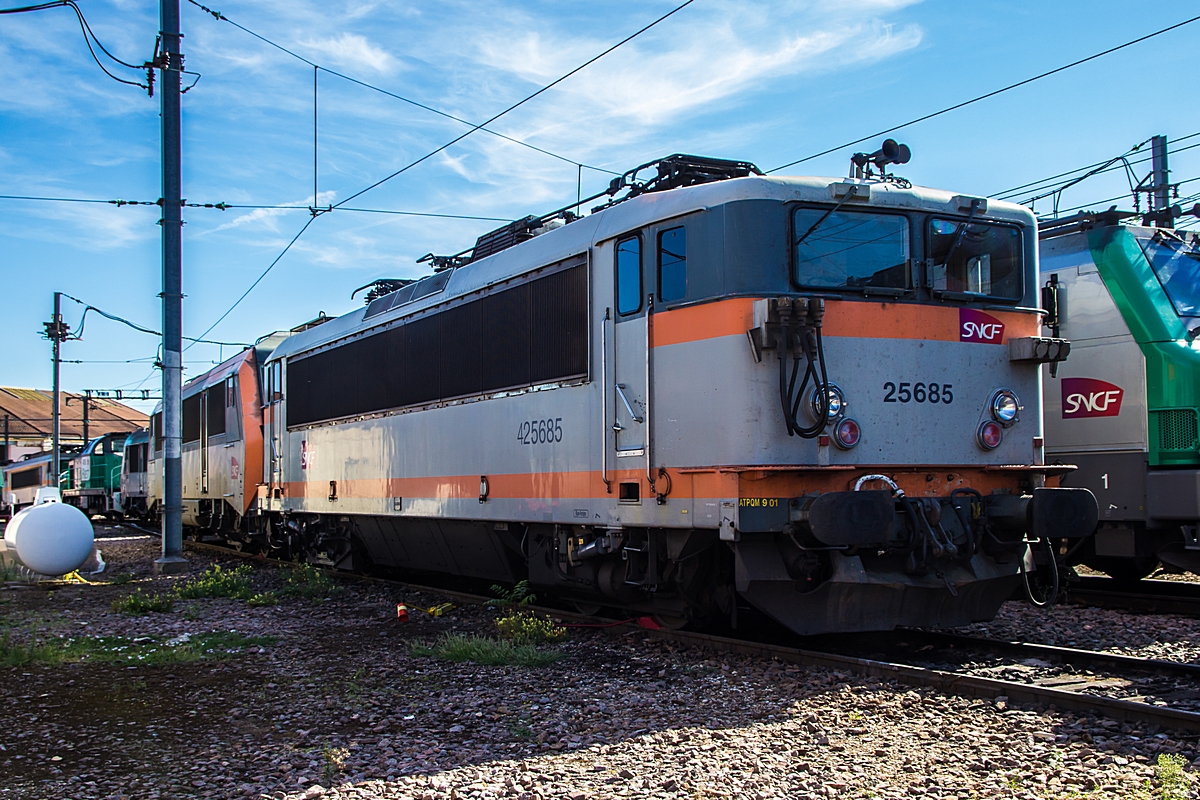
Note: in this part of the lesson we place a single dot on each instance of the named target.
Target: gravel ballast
(330, 701)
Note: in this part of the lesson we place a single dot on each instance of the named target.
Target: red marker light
(989, 435)
(847, 433)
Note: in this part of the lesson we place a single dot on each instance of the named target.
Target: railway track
(1152, 596)
(913, 669)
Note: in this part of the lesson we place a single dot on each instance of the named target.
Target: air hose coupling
(816, 311)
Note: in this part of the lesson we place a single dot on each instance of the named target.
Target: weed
(192, 613)
(521, 731)
(523, 627)
(217, 582)
(15, 654)
(121, 579)
(141, 603)
(519, 595)
(856, 715)
(335, 761)
(305, 580)
(262, 599)
(1172, 780)
(487, 651)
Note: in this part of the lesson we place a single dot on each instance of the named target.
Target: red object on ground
(401, 612)
(649, 624)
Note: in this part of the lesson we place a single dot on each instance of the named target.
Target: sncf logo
(976, 326)
(1088, 397)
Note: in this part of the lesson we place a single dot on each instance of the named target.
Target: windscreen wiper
(853, 190)
(962, 230)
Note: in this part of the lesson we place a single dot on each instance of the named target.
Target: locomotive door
(204, 399)
(274, 418)
(630, 401)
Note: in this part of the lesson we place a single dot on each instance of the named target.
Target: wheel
(587, 609)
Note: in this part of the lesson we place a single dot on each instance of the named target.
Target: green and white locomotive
(1124, 407)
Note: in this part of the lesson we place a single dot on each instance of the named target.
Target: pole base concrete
(171, 565)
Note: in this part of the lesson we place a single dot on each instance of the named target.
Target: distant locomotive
(93, 476)
(1125, 408)
(819, 396)
(132, 495)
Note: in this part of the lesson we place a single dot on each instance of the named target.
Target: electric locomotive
(817, 396)
(1125, 407)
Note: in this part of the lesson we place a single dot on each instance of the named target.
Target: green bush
(262, 599)
(217, 582)
(485, 650)
(523, 627)
(519, 595)
(305, 580)
(141, 603)
(1173, 782)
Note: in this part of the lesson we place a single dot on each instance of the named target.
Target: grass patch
(523, 627)
(140, 603)
(218, 582)
(121, 579)
(485, 650)
(305, 580)
(122, 650)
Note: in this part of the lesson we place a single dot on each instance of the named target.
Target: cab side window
(629, 275)
(672, 264)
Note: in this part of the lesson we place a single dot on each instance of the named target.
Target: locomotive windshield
(850, 249)
(975, 259)
(1176, 262)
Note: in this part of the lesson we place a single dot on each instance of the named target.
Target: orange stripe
(932, 480)
(707, 321)
(848, 318)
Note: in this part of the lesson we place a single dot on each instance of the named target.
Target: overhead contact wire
(1002, 90)
(519, 103)
(221, 17)
(257, 281)
(88, 37)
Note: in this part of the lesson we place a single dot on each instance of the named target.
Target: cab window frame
(641, 280)
(989, 297)
(658, 239)
(912, 229)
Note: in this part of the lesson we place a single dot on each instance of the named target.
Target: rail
(955, 683)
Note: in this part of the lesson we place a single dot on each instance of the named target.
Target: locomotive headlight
(837, 402)
(847, 433)
(1006, 408)
(989, 435)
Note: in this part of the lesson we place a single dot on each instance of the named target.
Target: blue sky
(768, 82)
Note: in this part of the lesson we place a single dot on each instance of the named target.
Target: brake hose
(1053, 578)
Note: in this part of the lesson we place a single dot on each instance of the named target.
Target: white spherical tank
(50, 538)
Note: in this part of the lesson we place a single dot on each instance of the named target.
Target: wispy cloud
(267, 217)
(352, 50)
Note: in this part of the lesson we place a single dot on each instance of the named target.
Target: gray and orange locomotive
(818, 397)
